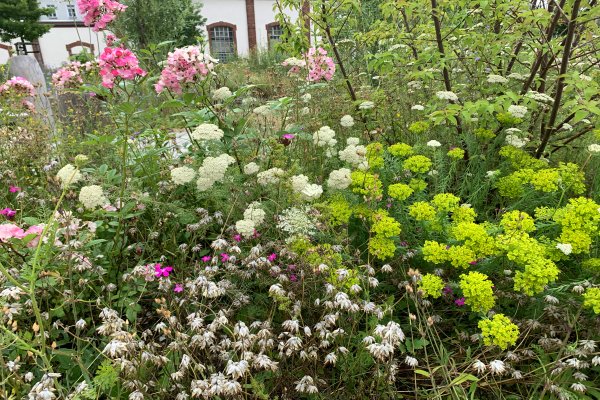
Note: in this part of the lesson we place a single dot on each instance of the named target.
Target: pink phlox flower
(159, 271)
(225, 257)
(11, 231)
(272, 257)
(9, 213)
(185, 66)
(18, 86)
(34, 230)
(118, 62)
(319, 65)
(178, 288)
(99, 13)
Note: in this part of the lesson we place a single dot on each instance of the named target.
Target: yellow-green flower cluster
(464, 213)
(475, 237)
(400, 150)
(445, 202)
(385, 228)
(418, 185)
(417, 164)
(419, 127)
(519, 158)
(458, 256)
(431, 285)
(517, 221)
(525, 251)
(499, 331)
(367, 184)
(456, 153)
(593, 264)
(374, 155)
(591, 299)
(483, 133)
(580, 220)
(400, 191)
(507, 119)
(477, 289)
(339, 211)
(434, 252)
(422, 211)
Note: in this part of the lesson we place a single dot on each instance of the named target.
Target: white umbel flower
(299, 182)
(324, 137)
(347, 121)
(213, 170)
(68, 175)
(446, 95)
(311, 192)
(433, 143)
(270, 176)
(222, 94)
(594, 148)
(254, 213)
(516, 141)
(356, 155)
(339, 179)
(92, 197)
(251, 168)
(245, 227)
(517, 111)
(366, 105)
(417, 107)
(492, 78)
(182, 175)
(205, 132)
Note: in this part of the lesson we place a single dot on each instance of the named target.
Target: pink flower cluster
(12, 231)
(319, 65)
(18, 86)
(71, 75)
(98, 13)
(186, 65)
(118, 62)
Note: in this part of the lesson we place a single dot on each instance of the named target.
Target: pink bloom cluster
(184, 66)
(118, 62)
(12, 231)
(71, 75)
(18, 86)
(319, 65)
(98, 13)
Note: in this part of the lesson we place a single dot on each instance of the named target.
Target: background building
(233, 28)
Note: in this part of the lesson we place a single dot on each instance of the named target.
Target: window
(222, 40)
(52, 14)
(274, 32)
(71, 11)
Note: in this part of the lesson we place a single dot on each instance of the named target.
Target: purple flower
(14, 189)
(225, 257)
(8, 213)
(293, 278)
(178, 288)
(159, 271)
(286, 139)
(447, 290)
(206, 258)
(288, 136)
(460, 302)
(272, 257)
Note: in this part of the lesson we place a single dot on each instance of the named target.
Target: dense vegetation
(408, 208)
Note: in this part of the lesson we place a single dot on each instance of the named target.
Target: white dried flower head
(245, 227)
(366, 105)
(68, 175)
(347, 121)
(446, 95)
(588, 345)
(550, 299)
(324, 137)
(578, 289)
(411, 361)
(237, 369)
(516, 141)
(115, 348)
(381, 351)
(222, 94)
(264, 362)
(492, 78)
(306, 385)
(205, 132)
(579, 387)
(339, 179)
(417, 107)
(80, 324)
(182, 175)
(517, 111)
(251, 168)
(270, 176)
(594, 148)
(330, 358)
(566, 248)
(433, 143)
(497, 367)
(478, 367)
(92, 197)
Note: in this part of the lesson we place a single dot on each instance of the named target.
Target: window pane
(275, 32)
(222, 42)
(71, 10)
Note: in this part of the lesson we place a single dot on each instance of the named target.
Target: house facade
(233, 28)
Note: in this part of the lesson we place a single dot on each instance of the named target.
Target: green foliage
(20, 19)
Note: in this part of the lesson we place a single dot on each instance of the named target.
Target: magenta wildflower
(237, 238)
(225, 257)
(206, 258)
(460, 302)
(14, 189)
(288, 136)
(272, 257)
(159, 271)
(8, 213)
(473, 262)
(178, 288)
(293, 278)
(447, 290)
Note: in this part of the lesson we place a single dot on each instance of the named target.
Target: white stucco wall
(53, 43)
(264, 15)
